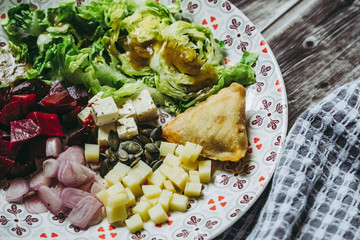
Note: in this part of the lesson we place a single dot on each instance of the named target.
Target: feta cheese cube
(144, 106)
(96, 97)
(103, 133)
(127, 109)
(104, 111)
(84, 114)
(127, 128)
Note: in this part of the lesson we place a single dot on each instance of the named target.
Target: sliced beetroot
(7, 151)
(11, 112)
(4, 134)
(38, 87)
(79, 93)
(59, 103)
(48, 122)
(56, 87)
(82, 136)
(5, 165)
(69, 120)
(22, 168)
(23, 130)
(28, 102)
(2, 102)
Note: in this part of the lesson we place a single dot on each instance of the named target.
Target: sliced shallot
(73, 174)
(53, 147)
(34, 205)
(73, 154)
(50, 168)
(39, 180)
(72, 196)
(17, 189)
(98, 216)
(50, 198)
(84, 211)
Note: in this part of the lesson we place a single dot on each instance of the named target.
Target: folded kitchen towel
(315, 192)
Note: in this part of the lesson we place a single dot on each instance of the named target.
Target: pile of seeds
(144, 146)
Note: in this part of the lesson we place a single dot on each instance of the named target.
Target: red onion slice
(98, 216)
(72, 196)
(17, 189)
(34, 205)
(73, 174)
(39, 180)
(53, 147)
(50, 168)
(50, 198)
(73, 154)
(84, 211)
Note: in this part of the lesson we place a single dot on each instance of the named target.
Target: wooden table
(316, 43)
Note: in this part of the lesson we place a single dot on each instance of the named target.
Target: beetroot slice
(69, 119)
(56, 87)
(79, 93)
(7, 151)
(5, 165)
(59, 102)
(23, 130)
(48, 122)
(28, 102)
(11, 112)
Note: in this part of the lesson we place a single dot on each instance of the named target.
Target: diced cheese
(84, 114)
(116, 174)
(158, 214)
(103, 196)
(189, 165)
(104, 111)
(144, 106)
(179, 150)
(142, 209)
(169, 186)
(133, 184)
(188, 150)
(196, 153)
(151, 191)
(205, 171)
(179, 202)
(156, 178)
(92, 152)
(134, 223)
(172, 160)
(116, 189)
(116, 213)
(152, 201)
(96, 97)
(103, 133)
(118, 199)
(131, 198)
(166, 147)
(180, 180)
(192, 189)
(127, 109)
(165, 198)
(194, 176)
(140, 172)
(127, 128)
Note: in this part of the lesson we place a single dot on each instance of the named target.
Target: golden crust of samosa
(217, 124)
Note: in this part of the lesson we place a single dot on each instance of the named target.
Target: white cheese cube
(95, 98)
(103, 133)
(133, 184)
(205, 171)
(169, 186)
(180, 180)
(158, 214)
(192, 189)
(190, 166)
(144, 106)
(166, 147)
(118, 199)
(127, 128)
(84, 114)
(179, 202)
(127, 109)
(116, 189)
(131, 198)
(92, 152)
(103, 196)
(116, 174)
(152, 201)
(194, 176)
(179, 150)
(188, 150)
(151, 191)
(172, 160)
(156, 178)
(142, 208)
(116, 213)
(165, 198)
(140, 172)
(104, 111)
(134, 223)
(196, 153)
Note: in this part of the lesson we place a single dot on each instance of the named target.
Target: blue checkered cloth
(315, 192)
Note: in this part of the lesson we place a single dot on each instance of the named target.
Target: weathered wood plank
(264, 13)
(318, 52)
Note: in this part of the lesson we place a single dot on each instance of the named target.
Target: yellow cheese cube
(156, 178)
(116, 174)
(164, 199)
(169, 186)
(116, 189)
(131, 198)
(166, 147)
(188, 150)
(194, 176)
(171, 160)
(140, 171)
(192, 189)
(151, 191)
(132, 183)
(103, 196)
(118, 199)
(180, 180)
(152, 201)
(158, 214)
(205, 171)
(92, 152)
(196, 153)
(116, 213)
(134, 223)
(189, 165)
(179, 202)
(179, 150)
(142, 208)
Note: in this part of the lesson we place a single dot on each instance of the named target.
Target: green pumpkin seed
(134, 162)
(146, 132)
(143, 139)
(148, 156)
(131, 147)
(156, 165)
(113, 139)
(151, 148)
(156, 133)
(122, 155)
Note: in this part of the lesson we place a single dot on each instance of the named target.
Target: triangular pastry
(217, 124)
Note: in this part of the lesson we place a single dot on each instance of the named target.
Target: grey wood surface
(316, 43)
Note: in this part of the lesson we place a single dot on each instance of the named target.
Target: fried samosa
(217, 124)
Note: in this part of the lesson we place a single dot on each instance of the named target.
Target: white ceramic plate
(235, 186)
